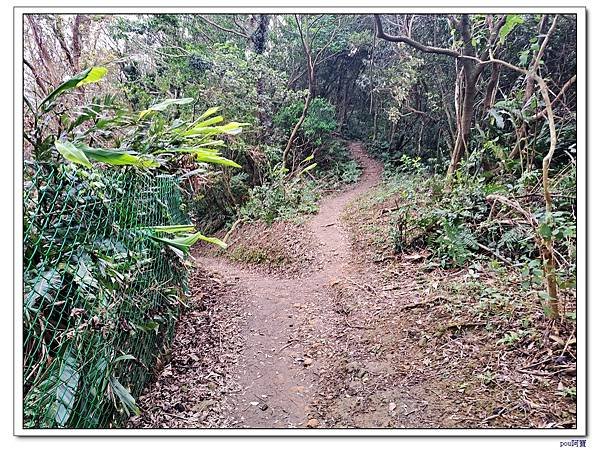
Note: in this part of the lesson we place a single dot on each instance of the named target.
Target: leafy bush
(285, 196)
(100, 295)
(456, 224)
(318, 125)
(336, 166)
(280, 200)
(446, 222)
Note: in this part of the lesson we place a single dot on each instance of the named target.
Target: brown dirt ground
(283, 248)
(341, 333)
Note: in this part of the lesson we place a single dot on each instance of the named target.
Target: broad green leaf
(209, 112)
(116, 157)
(47, 283)
(212, 240)
(212, 151)
(211, 121)
(545, 231)
(149, 326)
(68, 381)
(83, 276)
(218, 143)
(171, 228)
(124, 358)
(213, 158)
(72, 153)
(91, 75)
(231, 128)
(124, 396)
(165, 104)
(307, 168)
(512, 20)
(207, 155)
(308, 158)
(523, 57)
(94, 75)
(183, 244)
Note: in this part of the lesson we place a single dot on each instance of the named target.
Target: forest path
(278, 366)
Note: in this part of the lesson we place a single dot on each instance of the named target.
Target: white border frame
(582, 402)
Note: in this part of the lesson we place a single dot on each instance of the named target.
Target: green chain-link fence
(100, 297)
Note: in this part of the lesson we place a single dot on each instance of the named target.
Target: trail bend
(278, 366)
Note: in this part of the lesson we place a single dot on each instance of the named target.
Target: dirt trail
(355, 342)
(277, 370)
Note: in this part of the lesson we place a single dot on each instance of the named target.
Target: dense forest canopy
(473, 117)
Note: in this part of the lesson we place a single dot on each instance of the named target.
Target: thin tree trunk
(492, 87)
(43, 53)
(297, 127)
(259, 41)
(464, 124)
(548, 254)
(76, 41)
(392, 134)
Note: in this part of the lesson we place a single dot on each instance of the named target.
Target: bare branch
(540, 53)
(564, 89)
(227, 30)
(406, 40)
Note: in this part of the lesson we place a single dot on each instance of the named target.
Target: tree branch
(565, 87)
(406, 40)
(227, 30)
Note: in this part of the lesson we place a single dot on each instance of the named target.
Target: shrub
(279, 200)
(336, 166)
(318, 125)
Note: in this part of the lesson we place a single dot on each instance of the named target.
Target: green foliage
(145, 140)
(106, 222)
(181, 245)
(104, 256)
(336, 165)
(513, 337)
(280, 200)
(457, 224)
(91, 75)
(512, 20)
(446, 222)
(453, 244)
(288, 196)
(91, 275)
(320, 120)
(569, 392)
(411, 165)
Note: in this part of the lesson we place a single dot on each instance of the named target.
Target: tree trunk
(490, 94)
(392, 134)
(76, 40)
(467, 104)
(259, 41)
(297, 127)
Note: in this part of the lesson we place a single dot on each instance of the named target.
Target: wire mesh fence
(100, 297)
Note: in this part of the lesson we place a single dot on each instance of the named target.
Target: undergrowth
(458, 227)
(292, 196)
